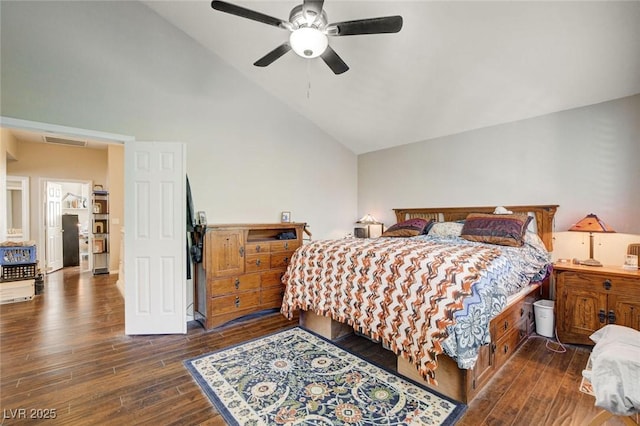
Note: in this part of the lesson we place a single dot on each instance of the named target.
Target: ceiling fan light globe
(308, 42)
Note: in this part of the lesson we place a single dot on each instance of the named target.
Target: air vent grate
(64, 141)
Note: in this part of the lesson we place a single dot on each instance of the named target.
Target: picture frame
(285, 217)
(98, 245)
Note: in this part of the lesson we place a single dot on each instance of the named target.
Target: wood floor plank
(66, 350)
(541, 397)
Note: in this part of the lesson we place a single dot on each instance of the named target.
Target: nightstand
(588, 298)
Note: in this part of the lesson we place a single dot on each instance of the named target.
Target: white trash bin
(543, 310)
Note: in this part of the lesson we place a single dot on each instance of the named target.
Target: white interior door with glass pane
(53, 222)
(155, 237)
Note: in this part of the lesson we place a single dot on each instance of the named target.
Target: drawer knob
(257, 249)
(237, 283)
(286, 259)
(237, 301)
(258, 262)
(506, 325)
(506, 348)
(521, 311)
(241, 251)
(286, 245)
(607, 284)
(601, 316)
(612, 317)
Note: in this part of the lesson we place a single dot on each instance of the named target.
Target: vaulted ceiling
(455, 65)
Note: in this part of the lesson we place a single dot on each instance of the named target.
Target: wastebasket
(543, 310)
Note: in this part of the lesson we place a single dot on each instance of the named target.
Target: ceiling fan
(309, 30)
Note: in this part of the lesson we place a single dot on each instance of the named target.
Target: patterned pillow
(408, 228)
(446, 229)
(501, 229)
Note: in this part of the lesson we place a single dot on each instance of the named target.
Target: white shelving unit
(100, 230)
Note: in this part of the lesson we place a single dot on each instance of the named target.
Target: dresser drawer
(234, 302)
(221, 286)
(508, 319)
(285, 245)
(507, 345)
(281, 260)
(255, 248)
(257, 262)
(273, 278)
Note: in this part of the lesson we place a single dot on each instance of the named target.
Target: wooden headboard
(543, 215)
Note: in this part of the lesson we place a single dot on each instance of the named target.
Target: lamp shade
(368, 219)
(591, 223)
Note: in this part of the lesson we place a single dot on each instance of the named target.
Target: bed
(453, 309)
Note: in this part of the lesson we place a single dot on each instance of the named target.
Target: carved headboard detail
(543, 215)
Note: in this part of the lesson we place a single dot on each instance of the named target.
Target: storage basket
(17, 255)
(18, 272)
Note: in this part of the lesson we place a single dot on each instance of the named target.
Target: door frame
(42, 214)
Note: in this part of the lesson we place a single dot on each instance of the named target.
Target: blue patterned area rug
(297, 377)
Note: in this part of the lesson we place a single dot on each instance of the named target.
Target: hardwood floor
(65, 354)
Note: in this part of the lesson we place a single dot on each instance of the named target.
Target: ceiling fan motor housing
(298, 18)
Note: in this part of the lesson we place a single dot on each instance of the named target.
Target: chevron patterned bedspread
(403, 291)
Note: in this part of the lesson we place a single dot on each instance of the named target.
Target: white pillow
(446, 229)
(612, 334)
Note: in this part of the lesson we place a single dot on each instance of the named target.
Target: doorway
(68, 236)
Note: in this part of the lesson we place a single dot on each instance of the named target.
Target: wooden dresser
(588, 298)
(241, 270)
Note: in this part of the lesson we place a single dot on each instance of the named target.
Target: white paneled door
(53, 254)
(155, 238)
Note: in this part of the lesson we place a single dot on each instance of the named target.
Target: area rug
(297, 377)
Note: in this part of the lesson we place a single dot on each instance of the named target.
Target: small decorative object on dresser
(242, 269)
(631, 262)
(631, 259)
(588, 298)
(285, 217)
(201, 218)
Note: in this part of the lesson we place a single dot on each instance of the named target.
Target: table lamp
(373, 228)
(591, 223)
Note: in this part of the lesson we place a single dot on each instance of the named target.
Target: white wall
(118, 67)
(585, 160)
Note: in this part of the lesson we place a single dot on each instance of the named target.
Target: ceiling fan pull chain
(308, 80)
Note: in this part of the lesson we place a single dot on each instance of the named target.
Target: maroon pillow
(408, 228)
(501, 229)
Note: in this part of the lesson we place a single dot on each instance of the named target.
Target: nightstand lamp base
(590, 262)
